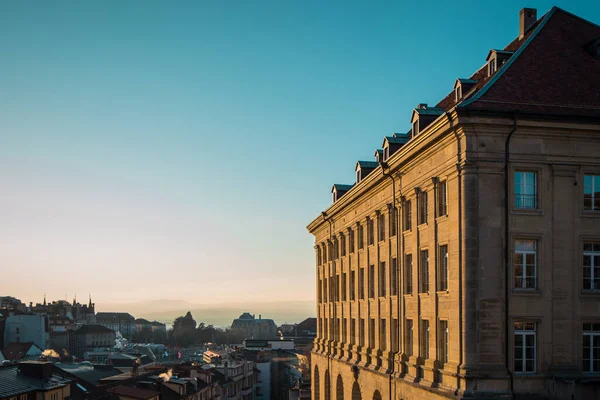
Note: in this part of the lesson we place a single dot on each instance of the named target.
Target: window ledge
(442, 218)
(407, 232)
(442, 293)
(424, 294)
(527, 211)
(526, 292)
(590, 293)
(590, 213)
(408, 295)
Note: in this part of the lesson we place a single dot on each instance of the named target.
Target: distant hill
(216, 314)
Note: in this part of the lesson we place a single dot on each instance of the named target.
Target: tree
(184, 330)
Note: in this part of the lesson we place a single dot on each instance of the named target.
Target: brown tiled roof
(481, 74)
(553, 73)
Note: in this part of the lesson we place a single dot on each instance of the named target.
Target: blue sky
(173, 149)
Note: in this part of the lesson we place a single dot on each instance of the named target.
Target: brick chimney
(527, 18)
(36, 369)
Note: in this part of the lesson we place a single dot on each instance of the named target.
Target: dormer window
(358, 176)
(458, 93)
(415, 128)
(386, 153)
(492, 67)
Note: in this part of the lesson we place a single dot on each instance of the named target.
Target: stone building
(121, 322)
(252, 328)
(91, 337)
(465, 261)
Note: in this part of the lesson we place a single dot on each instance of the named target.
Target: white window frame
(523, 254)
(593, 254)
(524, 184)
(593, 331)
(593, 190)
(524, 332)
(443, 268)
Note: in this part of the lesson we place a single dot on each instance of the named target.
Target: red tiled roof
(16, 351)
(554, 74)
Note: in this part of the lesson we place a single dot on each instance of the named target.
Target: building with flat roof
(463, 262)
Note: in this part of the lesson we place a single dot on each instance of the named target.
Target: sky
(177, 150)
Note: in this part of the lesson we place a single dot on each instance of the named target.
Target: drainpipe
(506, 262)
(385, 165)
(329, 355)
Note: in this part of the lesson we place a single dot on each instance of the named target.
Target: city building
(91, 337)
(11, 304)
(33, 380)
(463, 263)
(26, 328)
(252, 328)
(75, 311)
(121, 322)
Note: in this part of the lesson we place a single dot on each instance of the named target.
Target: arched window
(339, 388)
(316, 384)
(377, 395)
(356, 392)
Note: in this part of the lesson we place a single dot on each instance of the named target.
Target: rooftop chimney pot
(527, 18)
(422, 106)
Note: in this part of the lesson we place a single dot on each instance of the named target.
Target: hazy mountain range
(221, 314)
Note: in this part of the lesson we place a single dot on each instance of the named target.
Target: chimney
(36, 369)
(422, 106)
(527, 18)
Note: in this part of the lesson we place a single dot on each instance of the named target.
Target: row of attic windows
(422, 116)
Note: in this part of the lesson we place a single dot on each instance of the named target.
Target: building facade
(465, 261)
(92, 337)
(252, 328)
(27, 328)
(121, 322)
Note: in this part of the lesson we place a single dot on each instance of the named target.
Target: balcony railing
(526, 201)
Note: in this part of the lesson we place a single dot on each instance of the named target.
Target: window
(591, 266)
(525, 264)
(361, 332)
(361, 237)
(344, 330)
(370, 232)
(325, 289)
(394, 277)
(442, 202)
(324, 252)
(443, 345)
(424, 269)
(407, 211)
(425, 339)
(382, 334)
(393, 221)
(408, 339)
(458, 93)
(344, 277)
(382, 279)
(591, 192)
(443, 268)
(372, 333)
(492, 66)
(386, 153)
(525, 190)
(371, 282)
(318, 255)
(422, 205)
(336, 288)
(415, 128)
(353, 331)
(352, 284)
(329, 251)
(343, 244)
(17, 330)
(357, 175)
(351, 241)
(336, 249)
(380, 227)
(524, 347)
(408, 280)
(591, 347)
(361, 283)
